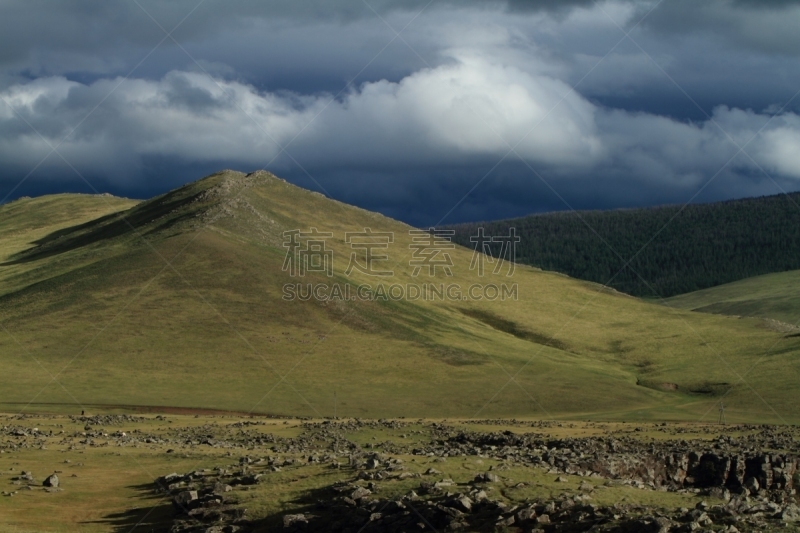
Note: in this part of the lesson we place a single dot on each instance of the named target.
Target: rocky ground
(395, 475)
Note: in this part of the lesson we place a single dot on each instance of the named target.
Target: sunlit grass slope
(27, 221)
(178, 301)
(775, 296)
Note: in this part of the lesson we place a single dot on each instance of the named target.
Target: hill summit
(243, 292)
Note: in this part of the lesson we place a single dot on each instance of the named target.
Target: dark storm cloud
(307, 46)
(87, 26)
(408, 125)
(763, 26)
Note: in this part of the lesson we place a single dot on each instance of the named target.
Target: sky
(429, 111)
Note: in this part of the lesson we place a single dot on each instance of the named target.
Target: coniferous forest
(658, 251)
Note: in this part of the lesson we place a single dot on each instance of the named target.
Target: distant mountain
(671, 249)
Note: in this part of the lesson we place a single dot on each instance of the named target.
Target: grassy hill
(24, 223)
(671, 249)
(179, 301)
(775, 296)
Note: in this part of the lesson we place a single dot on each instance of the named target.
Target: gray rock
(290, 520)
(791, 513)
(220, 488)
(185, 499)
(505, 522)
(359, 493)
(526, 514)
(462, 503)
(51, 481)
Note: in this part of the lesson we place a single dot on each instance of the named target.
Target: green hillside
(179, 301)
(775, 296)
(671, 249)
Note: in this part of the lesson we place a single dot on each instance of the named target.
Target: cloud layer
(566, 105)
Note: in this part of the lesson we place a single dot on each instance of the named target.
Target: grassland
(177, 302)
(775, 296)
(107, 481)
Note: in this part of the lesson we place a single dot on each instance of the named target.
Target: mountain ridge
(189, 311)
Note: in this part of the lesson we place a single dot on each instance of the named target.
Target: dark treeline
(672, 250)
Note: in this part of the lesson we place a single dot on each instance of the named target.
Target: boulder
(359, 493)
(752, 485)
(185, 500)
(791, 513)
(526, 514)
(462, 503)
(221, 488)
(290, 520)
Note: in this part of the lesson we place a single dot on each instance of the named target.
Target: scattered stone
(221, 488)
(487, 477)
(184, 500)
(359, 493)
(756, 488)
(462, 503)
(290, 520)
